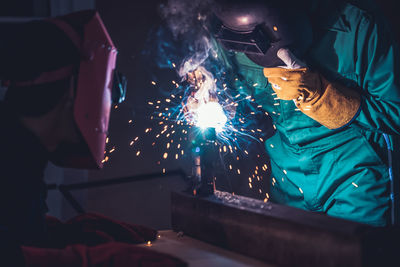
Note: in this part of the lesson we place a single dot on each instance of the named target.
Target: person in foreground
(61, 83)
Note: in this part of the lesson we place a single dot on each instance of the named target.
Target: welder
(61, 83)
(327, 72)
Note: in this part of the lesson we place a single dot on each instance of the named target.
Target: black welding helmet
(260, 28)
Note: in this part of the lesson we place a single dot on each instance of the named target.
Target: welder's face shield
(98, 87)
(259, 30)
(255, 42)
(81, 154)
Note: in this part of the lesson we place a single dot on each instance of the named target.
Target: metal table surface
(197, 253)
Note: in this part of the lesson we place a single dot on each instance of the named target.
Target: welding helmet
(260, 28)
(82, 48)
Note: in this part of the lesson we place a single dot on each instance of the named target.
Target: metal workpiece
(205, 161)
(282, 235)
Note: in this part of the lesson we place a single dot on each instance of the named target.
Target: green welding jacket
(344, 172)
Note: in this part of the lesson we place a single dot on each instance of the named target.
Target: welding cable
(389, 149)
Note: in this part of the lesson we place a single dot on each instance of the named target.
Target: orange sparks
(165, 156)
(138, 153)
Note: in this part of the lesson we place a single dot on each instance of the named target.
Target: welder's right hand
(111, 254)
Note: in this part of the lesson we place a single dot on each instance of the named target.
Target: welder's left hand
(331, 104)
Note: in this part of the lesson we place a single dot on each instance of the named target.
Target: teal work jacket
(345, 172)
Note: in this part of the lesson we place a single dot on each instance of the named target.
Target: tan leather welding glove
(331, 104)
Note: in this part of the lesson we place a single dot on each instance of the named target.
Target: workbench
(197, 253)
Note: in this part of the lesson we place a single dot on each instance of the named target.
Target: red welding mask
(97, 85)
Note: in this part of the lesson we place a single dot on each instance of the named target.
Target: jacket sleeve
(378, 68)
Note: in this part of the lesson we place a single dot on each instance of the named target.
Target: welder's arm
(378, 67)
(331, 104)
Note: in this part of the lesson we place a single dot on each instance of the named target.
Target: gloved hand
(331, 104)
(93, 229)
(112, 254)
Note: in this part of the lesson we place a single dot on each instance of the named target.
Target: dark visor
(255, 42)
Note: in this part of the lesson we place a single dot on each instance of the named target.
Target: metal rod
(71, 200)
(113, 181)
(65, 190)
